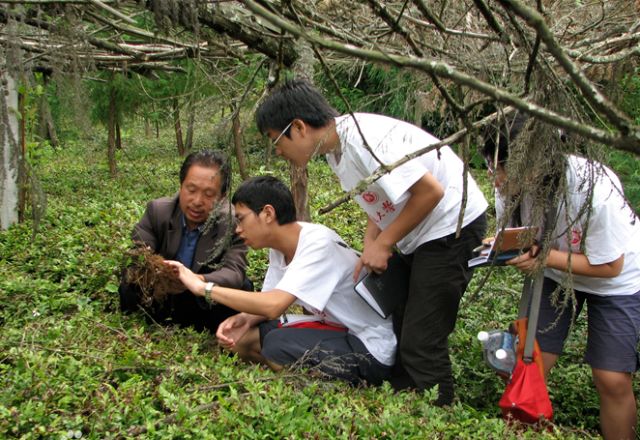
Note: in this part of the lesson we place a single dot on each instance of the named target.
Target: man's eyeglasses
(240, 218)
(275, 142)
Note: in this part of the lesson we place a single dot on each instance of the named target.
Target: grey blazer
(161, 229)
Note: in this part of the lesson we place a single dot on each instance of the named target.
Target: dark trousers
(336, 354)
(439, 277)
(183, 309)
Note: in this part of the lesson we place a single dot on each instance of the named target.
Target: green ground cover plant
(72, 366)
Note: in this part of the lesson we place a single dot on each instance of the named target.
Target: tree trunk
(303, 67)
(178, 127)
(111, 138)
(118, 136)
(237, 142)
(10, 151)
(41, 126)
(22, 180)
(46, 127)
(52, 134)
(191, 118)
(299, 181)
(156, 122)
(147, 128)
(268, 151)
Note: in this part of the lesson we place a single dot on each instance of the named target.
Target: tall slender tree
(9, 152)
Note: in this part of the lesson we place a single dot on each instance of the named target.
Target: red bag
(526, 397)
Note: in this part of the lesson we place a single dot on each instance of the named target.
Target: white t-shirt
(611, 230)
(392, 139)
(320, 276)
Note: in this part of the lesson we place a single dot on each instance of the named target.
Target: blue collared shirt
(188, 243)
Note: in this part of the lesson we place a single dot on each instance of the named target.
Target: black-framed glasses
(240, 218)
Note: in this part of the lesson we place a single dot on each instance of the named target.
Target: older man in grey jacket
(174, 227)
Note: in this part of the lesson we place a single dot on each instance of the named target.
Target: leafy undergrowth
(72, 366)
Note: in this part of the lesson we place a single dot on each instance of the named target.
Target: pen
(481, 247)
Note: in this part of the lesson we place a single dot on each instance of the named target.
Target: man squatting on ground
(414, 208)
(174, 228)
(309, 265)
(601, 248)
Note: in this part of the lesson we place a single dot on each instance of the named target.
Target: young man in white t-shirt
(415, 208)
(596, 247)
(309, 265)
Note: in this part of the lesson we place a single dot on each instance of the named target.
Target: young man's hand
(232, 329)
(374, 257)
(192, 281)
(561, 260)
(528, 262)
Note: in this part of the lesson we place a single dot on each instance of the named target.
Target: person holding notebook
(416, 207)
(595, 250)
(309, 265)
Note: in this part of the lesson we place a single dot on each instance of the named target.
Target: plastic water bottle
(499, 349)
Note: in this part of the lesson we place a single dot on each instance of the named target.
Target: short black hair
(507, 132)
(209, 159)
(259, 191)
(294, 99)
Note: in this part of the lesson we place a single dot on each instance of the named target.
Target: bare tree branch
(628, 140)
(113, 11)
(430, 16)
(381, 11)
(592, 94)
(216, 20)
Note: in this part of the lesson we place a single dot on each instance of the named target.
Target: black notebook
(508, 244)
(384, 292)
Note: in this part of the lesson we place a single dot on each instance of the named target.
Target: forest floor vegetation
(71, 365)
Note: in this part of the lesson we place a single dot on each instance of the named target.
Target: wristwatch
(207, 293)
